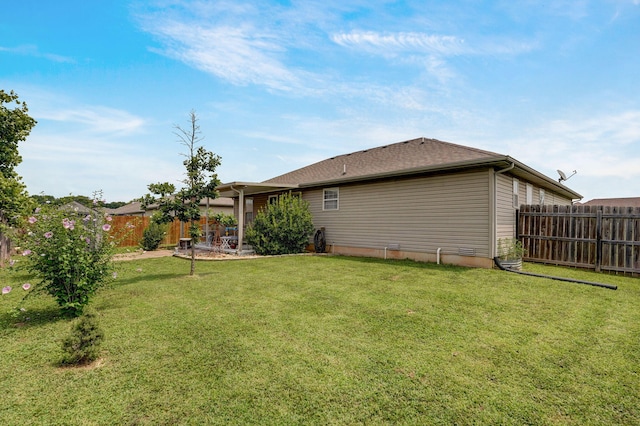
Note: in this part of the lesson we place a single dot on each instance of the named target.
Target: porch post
(240, 220)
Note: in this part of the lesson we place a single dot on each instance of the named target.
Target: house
(215, 205)
(421, 199)
(614, 202)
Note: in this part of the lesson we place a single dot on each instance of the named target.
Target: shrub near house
(283, 227)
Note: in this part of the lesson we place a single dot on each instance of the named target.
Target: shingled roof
(614, 202)
(412, 157)
(413, 154)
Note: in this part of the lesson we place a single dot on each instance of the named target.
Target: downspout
(494, 249)
(240, 218)
(438, 255)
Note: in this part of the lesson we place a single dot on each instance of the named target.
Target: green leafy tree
(283, 227)
(200, 182)
(15, 126)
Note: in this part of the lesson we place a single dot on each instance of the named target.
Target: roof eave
(459, 165)
(498, 161)
(232, 189)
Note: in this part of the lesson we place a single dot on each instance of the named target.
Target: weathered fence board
(597, 237)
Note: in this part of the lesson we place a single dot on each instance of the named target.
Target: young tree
(200, 182)
(15, 204)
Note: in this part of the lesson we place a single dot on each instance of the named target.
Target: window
(516, 190)
(273, 199)
(330, 199)
(541, 197)
(529, 194)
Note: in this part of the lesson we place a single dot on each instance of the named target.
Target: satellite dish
(563, 176)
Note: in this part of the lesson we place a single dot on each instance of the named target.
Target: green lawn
(331, 340)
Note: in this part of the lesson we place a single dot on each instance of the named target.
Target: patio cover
(242, 189)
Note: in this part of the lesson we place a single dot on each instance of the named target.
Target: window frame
(529, 193)
(516, 193)
(325, 200)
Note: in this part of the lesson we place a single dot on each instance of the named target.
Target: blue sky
(280, 84)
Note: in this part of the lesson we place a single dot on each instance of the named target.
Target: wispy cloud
(393, 44)
(31, 50)
(96, 119)
(606, 145)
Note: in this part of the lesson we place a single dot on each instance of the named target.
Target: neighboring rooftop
(411, 154)
(135, 207)
(614, 202)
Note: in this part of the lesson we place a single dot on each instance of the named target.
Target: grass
(331, 340)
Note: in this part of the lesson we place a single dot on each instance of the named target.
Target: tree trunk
(193, 257)
(5, 249)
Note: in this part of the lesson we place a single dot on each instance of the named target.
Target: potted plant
(510, 253)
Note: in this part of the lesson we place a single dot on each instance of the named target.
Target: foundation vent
(466, 251)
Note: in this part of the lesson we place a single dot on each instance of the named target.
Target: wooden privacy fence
(132, 227)
(596, 237)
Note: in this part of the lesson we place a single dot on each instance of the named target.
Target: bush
(153, 235)
(70, 253)
(282, 228)
(82, 346)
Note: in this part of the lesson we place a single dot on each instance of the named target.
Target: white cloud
(393, 43)
(96, 119)
(599, 146)
(223, 40)
(31, 50)
(389, 44)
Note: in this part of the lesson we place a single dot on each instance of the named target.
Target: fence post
(598, 239)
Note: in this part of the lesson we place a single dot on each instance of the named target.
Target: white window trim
(324, 199)
(542, 194)
(529, 193)
(273, 199)
(516, 191)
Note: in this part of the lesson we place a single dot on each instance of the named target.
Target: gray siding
(419, 214)
(505, 210)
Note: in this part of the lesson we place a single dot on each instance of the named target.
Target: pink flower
(27, 252)
(68, 224)
(38, 210)
(106, 227)
(48, 234)
(6, 290)
(26, 286)
(108, 218)
(87, 218)
(32, 219)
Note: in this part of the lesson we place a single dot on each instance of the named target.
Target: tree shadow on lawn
(32, 317)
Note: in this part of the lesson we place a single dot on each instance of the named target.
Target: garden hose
(319, 241)
(570, 280)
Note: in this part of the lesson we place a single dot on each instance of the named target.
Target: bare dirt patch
(185, 254)
(142, 254)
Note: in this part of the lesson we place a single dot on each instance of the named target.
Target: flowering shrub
(70, 254)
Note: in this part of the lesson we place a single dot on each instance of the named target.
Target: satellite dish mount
(563, 176)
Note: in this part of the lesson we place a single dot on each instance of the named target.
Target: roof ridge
(397, 156)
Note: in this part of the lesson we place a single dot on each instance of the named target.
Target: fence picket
(596, 237)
